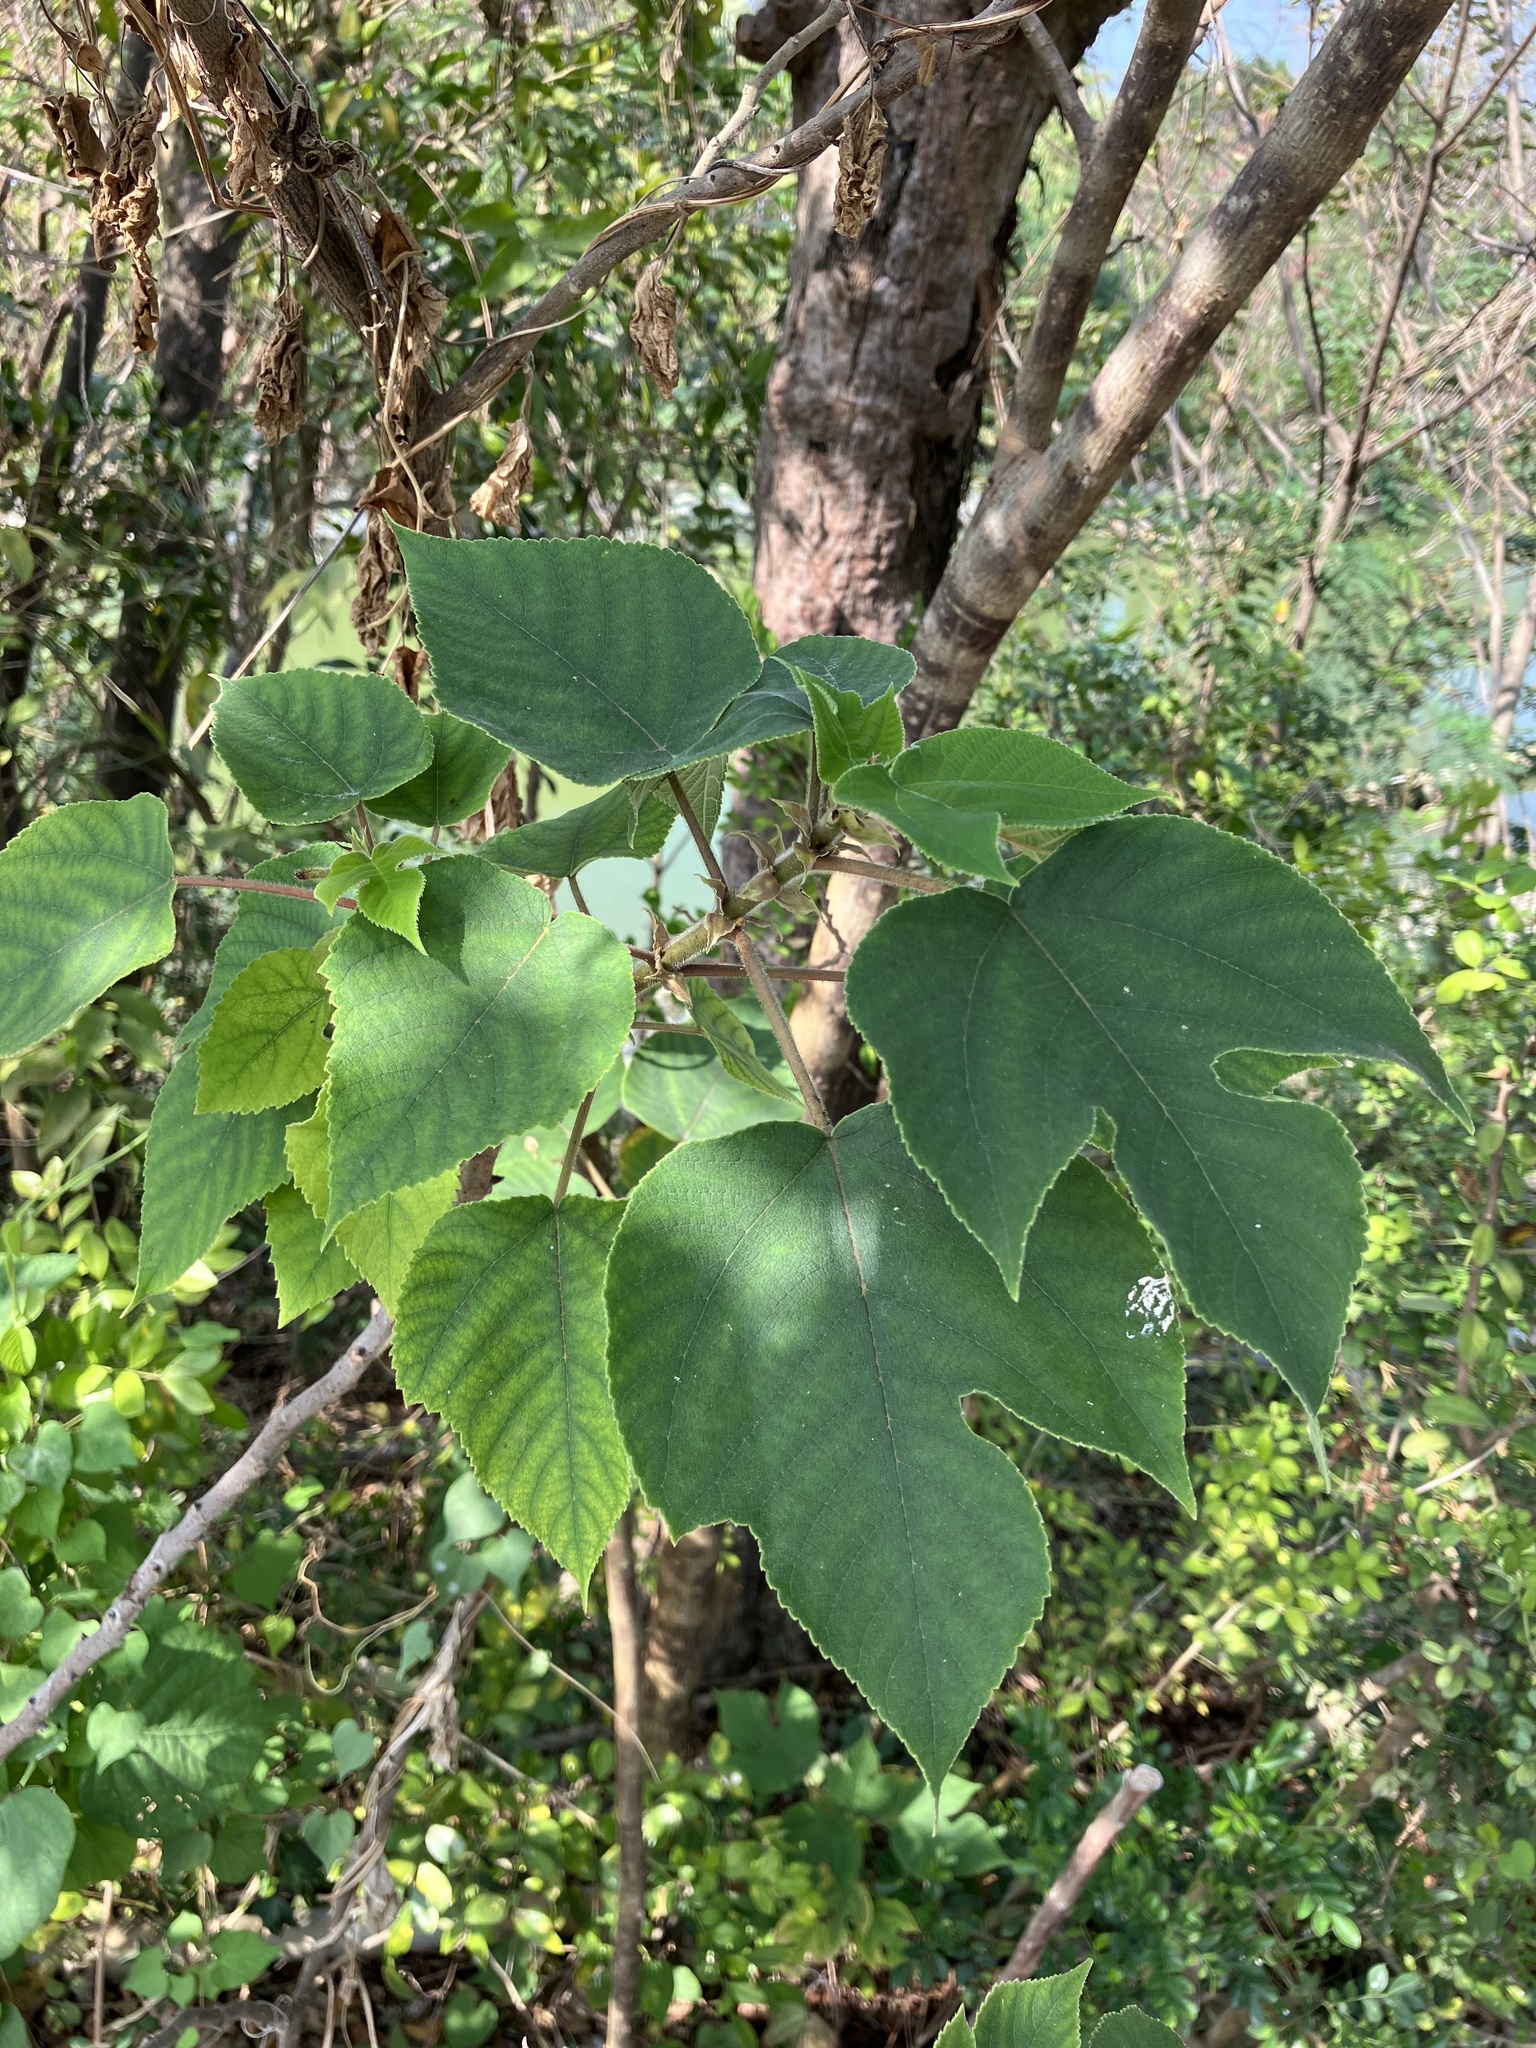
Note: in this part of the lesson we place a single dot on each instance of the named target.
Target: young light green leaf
(198, 1171)
(505, 1020)
(1132, 2028)
(266, 1045)
(794, 1324)
(680, 1087)
(849, 731)
(385, 891)
(953, 793)
(600, 659)
(1043, 2012)
(1113, 977)
(732, 1042)
(382, 1239)
(608, 828)
(777, 705)
(310, 744)
(37, 1832)
(85, 897)
(308, 1270)
(463, 770)
(503, 1333)
(263, 924)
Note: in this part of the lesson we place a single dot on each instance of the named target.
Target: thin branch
(1136, 1788)
(194, 1527)
(774, 973)
(875, 871)
(773, 1010)
(578, 1129)
(628, 1783)
(1063, 85)
(753, 92)
(712, 866)
(243, 882)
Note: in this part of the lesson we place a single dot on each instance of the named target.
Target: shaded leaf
(85, 897)
(455, 784)
(777, 705)
(1132, 2028)
(308, 1270)
(503, 1333)
(37, 1833)
(308, 745)
(599, 658)
(794, 1324)
(732, 1042)
(608, 828)
(679, 1087)
(773, 1742)
(1112, 978)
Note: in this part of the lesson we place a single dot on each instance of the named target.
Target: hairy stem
(773, 1010)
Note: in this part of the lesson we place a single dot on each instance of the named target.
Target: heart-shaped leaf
(503, 1022)
(266, 1045)
(455, 784)
(503, 1333)
(952, 794)
(85, 897)
(113, 1733)
(600, 659)
(308, 745)
(37, 1833)
(1112, 978)
(794, 1322)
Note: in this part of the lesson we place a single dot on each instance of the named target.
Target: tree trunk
(158, 608)
(27, 603)
(873, 405)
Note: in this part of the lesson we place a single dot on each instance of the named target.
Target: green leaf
(308, 1270)
(774, 1742)
(85, 897)
(382, 1239)
(386, 892)
(239, 1957)
(263, 924)
(198, 1172)
(37, 1833)
(1041, 2013)
(935, 1840)
(463, 770)
(794, 1324)
(777, 705)
(1113, 977)
(503, 1333)
(310, 744)
(732, 1042)
(504, 1021)
(266, 1045)
(266, 1567)
(608, 828)
(703, 783)
(1132, 2028)
(601, 659)
(849, 731)
(952, 794)
(679, 1087)
(20, 1610)
(112, 1733)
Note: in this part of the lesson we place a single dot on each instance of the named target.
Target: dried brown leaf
(378, 564)
(143, 303)
(252, 117)
(69, 116)
(653, 327)
(280, 373)
(860, 161)
(498, 498)
(409, 665)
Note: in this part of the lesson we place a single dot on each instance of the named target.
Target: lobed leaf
(504, 1021)
(503, 1332)
(849, 731)
(456, 782)
(85, 897)
(310, 744)
(1112, 978)
(599, 658)
(794, 1323)
(266, 1045)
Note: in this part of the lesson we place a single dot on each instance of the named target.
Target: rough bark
(677, 1642)
(200, 254)
(873, 404)
(26, 605)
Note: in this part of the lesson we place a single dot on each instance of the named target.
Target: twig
(1136, 1788)
(578, 1127)
(753, 92)
(876, 871)
(98, 2002)
(1069, 100)
(628, 1783)
(257, 888)
(550, 1794)
(194, 1527)
(700, 837)
(773, 1010)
